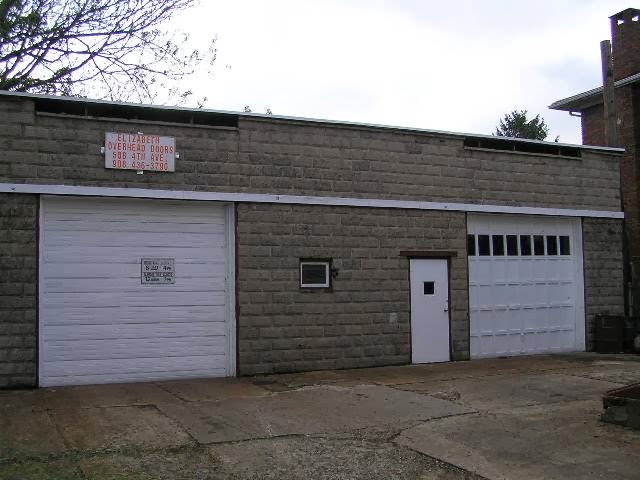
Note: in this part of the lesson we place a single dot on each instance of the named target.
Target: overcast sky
(444, 65)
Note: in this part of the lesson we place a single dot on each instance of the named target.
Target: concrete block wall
(604, 284)
(18, 306)
(53, 149)
(288, 157)
(308, 159)
(284, 328)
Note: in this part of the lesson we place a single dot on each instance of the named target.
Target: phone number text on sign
(136, 151)
(157, 270)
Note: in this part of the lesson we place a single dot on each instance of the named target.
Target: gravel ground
(359, 456)
(329, 458)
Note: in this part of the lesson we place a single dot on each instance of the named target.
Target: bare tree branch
(117, 48)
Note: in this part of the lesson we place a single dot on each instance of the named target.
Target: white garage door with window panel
(100, 323)
(525, 285)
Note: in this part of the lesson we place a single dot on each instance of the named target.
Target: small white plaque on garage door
(158, 270)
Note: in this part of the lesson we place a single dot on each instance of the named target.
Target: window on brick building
(315, 273)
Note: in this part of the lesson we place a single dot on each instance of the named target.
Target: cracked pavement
(516, 418)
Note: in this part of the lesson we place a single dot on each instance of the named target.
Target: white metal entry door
(429, 310)
(525, 285)
(100, 324)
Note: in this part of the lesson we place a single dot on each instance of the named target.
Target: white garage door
(525, 285)
(100, 324)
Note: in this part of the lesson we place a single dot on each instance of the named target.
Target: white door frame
(39, 329)
(581, 318)
(230, 214)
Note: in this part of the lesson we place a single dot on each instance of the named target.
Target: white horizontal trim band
(296, 200)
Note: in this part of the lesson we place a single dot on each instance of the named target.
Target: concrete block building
(140, 243)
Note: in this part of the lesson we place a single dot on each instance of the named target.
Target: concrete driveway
(518, 418)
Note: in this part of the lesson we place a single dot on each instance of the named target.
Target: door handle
(446, 306)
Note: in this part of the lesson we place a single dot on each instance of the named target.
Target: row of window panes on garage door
(518, 245)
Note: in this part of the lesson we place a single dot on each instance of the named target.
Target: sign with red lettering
(136, 151)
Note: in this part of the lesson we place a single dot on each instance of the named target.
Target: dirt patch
(25, 432)
(61, 469)
(117, 427)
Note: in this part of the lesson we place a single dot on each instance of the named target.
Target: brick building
(141, 243)
(625, 46)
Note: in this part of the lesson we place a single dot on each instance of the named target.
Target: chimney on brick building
(625, 36)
